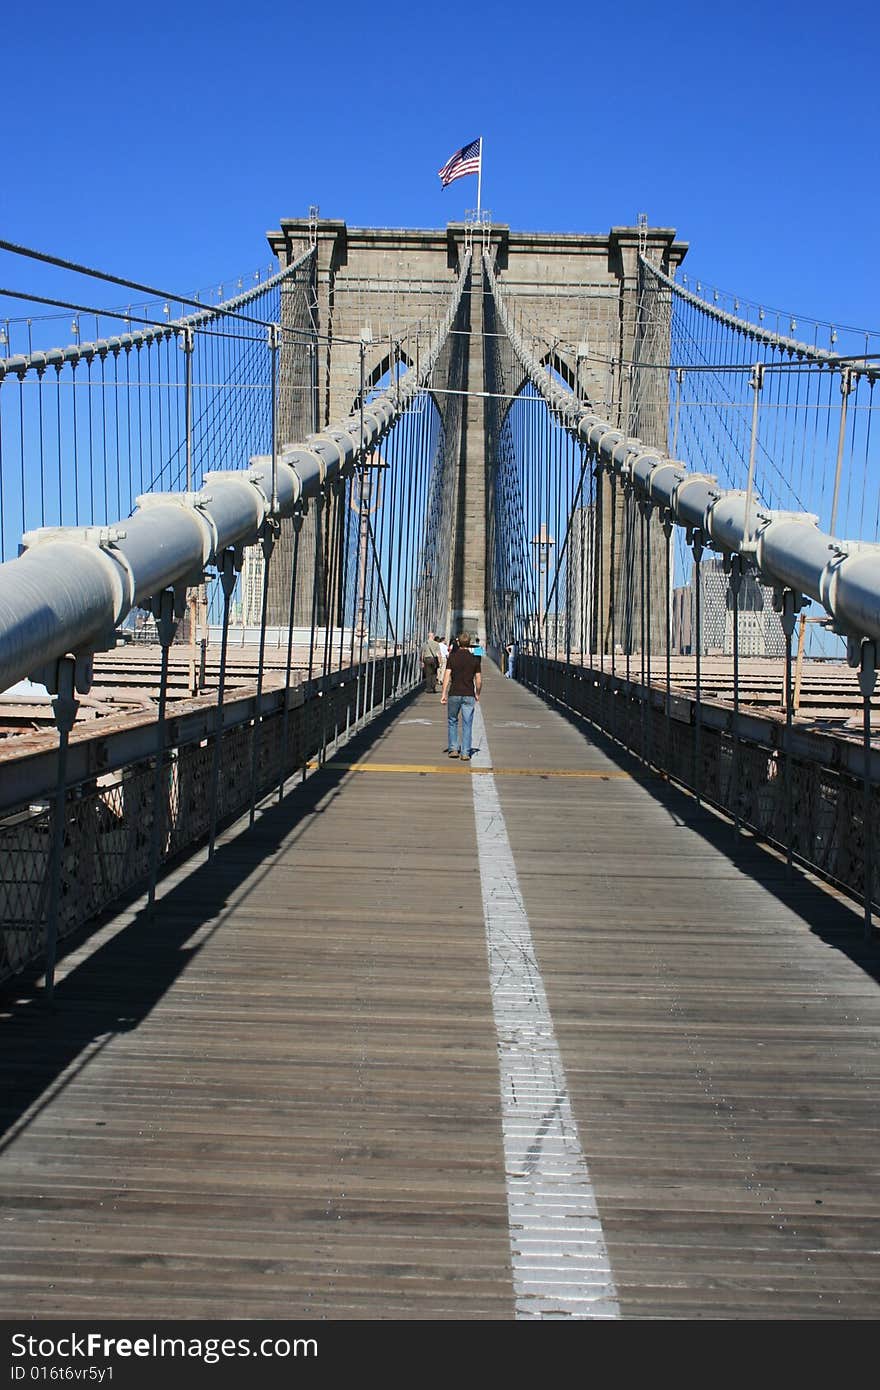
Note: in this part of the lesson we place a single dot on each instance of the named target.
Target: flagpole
(479, 178)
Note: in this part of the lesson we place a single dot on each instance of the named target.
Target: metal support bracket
(788, 604)
(72, 672)
(227, 570)
(61, 679)
(269, 535)
(867, 664)
(168, 608)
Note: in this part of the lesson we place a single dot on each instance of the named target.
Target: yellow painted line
(458, 769)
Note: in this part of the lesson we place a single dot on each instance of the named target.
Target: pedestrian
(444, 657)
(430, 655)
(511, 659)
(461, 693)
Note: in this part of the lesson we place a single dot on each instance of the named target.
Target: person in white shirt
(444, 654)
(430, 655)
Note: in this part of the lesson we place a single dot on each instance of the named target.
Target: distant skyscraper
(682, 635)
(579, 586)
(760, 630)
(252, 572)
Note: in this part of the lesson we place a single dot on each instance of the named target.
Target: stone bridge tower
(379, 285)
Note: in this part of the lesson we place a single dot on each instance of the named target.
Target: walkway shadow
(118, 983)
(833, 918)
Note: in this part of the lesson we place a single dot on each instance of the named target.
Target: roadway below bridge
(533, 1037)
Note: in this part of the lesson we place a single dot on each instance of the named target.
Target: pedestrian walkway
(530, 1037)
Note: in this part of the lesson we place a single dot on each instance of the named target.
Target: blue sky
(162, 141)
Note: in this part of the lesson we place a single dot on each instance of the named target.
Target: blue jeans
(463, 705)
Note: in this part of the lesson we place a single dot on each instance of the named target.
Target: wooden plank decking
(280, 1097)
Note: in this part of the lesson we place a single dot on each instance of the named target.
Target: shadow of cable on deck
(118, 982)
(832, 917)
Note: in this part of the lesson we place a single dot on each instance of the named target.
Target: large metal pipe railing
(787, 548)
(71, 587)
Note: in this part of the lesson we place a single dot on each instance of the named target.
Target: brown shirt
(464, 666)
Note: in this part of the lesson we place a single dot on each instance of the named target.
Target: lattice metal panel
(24, 857)
(827, 822)
(108, 827)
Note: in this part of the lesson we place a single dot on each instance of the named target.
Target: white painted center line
(558, 1253)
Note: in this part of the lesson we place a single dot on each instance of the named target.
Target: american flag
(464, 161)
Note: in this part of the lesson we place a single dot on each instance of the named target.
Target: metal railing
(349, 527)
(600, 590)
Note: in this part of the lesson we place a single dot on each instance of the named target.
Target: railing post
(334, 502)
(228, 572)
(318, 560)
(64, 707)
(612, 479)
(629, 542)
(270, 533)
(167, 608)
(790, 606)
(696, 540)
(599, 549)
(736, 576)
(361, 586)
(646, 508)
(360, 599)
(867, 682)
(297, 521)
(667, 532)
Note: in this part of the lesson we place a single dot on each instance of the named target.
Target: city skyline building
(760, 628)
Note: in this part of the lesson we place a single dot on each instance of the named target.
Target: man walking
(461, 691)
(430, 655)
(444, 657)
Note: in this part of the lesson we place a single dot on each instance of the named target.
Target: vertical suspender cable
(646, 628)
(268, 544)
(667, 533)
(64, 707)
(788, 623)
(697, 543)
(736, 576)
(327, 690)
(227, 583)
(867, 682)
(166, 624)
(291, 620)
